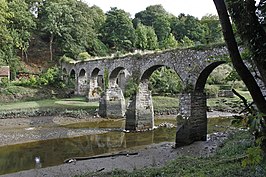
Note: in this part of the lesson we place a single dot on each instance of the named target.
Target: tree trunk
(243, 14)
(26, 56)
(22, 56)
(238, 63)
(51, 46)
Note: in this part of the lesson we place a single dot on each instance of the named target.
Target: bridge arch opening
(202, 79)
(141, 104)
(95, 85)
(72, 78)
(82, 82)
(196, 102)
(118, 77)
(162, 80)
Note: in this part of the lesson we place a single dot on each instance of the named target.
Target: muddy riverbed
(152, 149)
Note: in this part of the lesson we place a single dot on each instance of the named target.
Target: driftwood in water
(74, 159)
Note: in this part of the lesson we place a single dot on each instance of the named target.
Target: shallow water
(19, 157)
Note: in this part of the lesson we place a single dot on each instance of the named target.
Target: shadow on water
(19, 157)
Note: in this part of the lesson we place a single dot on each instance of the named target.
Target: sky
(197, 8)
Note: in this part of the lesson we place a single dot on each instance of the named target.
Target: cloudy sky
(197, 8)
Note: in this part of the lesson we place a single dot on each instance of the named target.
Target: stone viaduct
(192, 65)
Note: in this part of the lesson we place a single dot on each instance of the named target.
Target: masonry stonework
(193, 112)
(193, 67)
(140, 113)
(112, 103)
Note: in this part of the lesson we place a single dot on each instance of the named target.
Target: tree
(187, 25)
(21, 25)
(98, 17)
(6, 40)
(251, 31)
(150, 15)
(152, 40)
(141, 37)
(118, 32)
(261, 12)
(186, 42)
(70, 24)
(169, 42)
(157, 17)
(238, 9)
(162, 28)
(212, 28)
(146, 39)
(165, 81)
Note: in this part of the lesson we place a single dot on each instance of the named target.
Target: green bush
(66, 59)
(219, 75)
(211, 90)
(225, 87)
(50, 77)
(83, 56)
(131, 88)
(4, 82)
(165, 81)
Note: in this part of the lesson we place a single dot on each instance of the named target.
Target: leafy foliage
(165, 81)
(189, 26)
(221, 74)
(131, 88)
(118, 32)
(83, 56)
(50, 77)
(212, 28)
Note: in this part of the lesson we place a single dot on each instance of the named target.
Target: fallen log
(74, 159)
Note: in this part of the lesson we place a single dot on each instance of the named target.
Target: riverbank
(155, 155)
(29, 129)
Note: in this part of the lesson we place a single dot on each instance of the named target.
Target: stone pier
(194, 118)
(112, 103)
(140, 115)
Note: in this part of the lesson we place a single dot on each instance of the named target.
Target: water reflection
(19, 157)
(53, 152)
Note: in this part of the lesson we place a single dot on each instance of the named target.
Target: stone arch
(193, 108)
(148, 72)
(144, 79)
(140, 112)
(72, 80)
(82, 82)
(112, 102)
(113, 77)
(201, 81)
(94, 89)
(72, 74)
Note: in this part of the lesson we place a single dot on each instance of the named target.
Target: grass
(159, 103)
(226, 162)
(162, 103)
(229, 104)
(70, 103)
